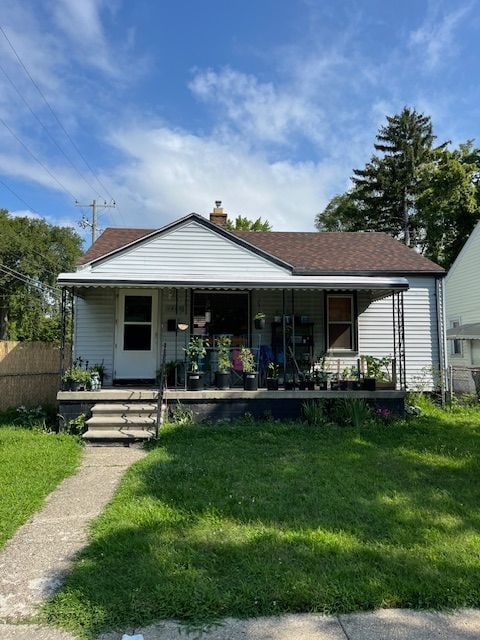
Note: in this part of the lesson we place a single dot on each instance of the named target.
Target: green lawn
(259, 519)
(32, 463)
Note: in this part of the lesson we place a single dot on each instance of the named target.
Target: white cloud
(434, 42)
(81, 22)
(25, 213)
(262, 111)
(168, 173)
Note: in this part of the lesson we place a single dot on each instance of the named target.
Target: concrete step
(115, 435)
(121, 422)
(139, 408)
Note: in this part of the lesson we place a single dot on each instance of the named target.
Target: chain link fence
(465, 380)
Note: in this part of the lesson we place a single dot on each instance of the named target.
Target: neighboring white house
(361, 294)
(462, 301)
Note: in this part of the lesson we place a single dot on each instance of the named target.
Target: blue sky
(266, 105)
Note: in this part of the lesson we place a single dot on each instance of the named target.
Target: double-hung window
(340, 322)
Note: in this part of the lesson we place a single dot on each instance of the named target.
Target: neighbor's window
(455, 345)
(340, 323)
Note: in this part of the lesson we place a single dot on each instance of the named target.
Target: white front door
(136, 334)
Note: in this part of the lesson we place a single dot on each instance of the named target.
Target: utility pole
(93, 224)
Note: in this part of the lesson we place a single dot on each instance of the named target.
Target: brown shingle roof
(307, 252)
(347, 251)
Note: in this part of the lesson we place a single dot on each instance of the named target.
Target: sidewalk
(34, 561)
(386, 624)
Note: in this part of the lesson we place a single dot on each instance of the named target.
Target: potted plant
(321, 380)
(259, 321)
(272, 376)
(76, 378)
(222, 376)
(308, 381)
(101, 370)
(195, 351)
(250, 376)
(378, 373)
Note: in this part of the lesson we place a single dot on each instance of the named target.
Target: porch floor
(150, 394)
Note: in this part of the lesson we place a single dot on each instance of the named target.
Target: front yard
(259, 519)
(32, 463)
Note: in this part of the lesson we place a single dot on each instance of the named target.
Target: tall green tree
(32, 254)
(243, 223)
(426, 196)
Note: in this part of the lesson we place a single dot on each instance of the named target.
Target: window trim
(353, 322)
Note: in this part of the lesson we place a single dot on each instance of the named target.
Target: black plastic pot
(250, 381)
(272, 384)
(289, 386)
(194, 380)
(259, 323)
(322, 385)
(222, 379)
(369, 384)
(343, 385)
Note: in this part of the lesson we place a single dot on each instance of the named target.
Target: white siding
(95, 328)
(462, 293)
(191, 250)
(421, 333)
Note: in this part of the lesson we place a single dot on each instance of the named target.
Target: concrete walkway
(386, 624)
(34, 561)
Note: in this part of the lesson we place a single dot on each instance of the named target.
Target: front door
(136, 335)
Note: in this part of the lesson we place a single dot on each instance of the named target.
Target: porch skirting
(215, 405)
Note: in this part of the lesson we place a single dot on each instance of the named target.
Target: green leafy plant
(195, 351)
(223, 344)
(76, 426)
(31, 417)
(181, 415)
(353, 411)
(314, 413)
(273, 370)
(247, 359)
(379, 368)
(260, 316)
(77, 374)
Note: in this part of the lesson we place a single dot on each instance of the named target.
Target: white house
(359, 294)
(462, 298)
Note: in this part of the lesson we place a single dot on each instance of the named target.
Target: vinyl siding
(189, 251)
(421, 333)
(462, 293)
(95, 328)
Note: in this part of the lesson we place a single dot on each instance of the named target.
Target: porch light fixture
(182, 326)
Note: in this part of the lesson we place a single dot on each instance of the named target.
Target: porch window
(137, 323)
(340, 322)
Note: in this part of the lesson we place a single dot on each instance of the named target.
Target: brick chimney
(218, 216)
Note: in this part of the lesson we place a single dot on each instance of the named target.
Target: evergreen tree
(388, 187)
(428, 197)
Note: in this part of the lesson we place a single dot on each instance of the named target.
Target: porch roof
(380, 284)
(465, 332)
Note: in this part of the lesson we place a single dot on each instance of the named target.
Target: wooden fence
(29, 373)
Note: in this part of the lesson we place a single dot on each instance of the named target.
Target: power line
(52, 111)
(27, 280)
(37, 118)
(63, 187)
